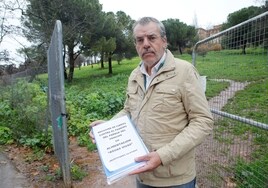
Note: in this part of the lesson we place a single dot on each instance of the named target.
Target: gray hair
(146, 20)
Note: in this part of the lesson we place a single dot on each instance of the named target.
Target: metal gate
(57, 101)
(235, 63)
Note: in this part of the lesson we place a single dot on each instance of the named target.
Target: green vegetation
(214, 87)
(249, 174)
(23, 106)
(94, 94)
(250, 103)
(77, 173)
(249, 67)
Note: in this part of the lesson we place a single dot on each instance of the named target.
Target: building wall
(203, 33)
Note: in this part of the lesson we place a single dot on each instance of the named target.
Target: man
(166, 102)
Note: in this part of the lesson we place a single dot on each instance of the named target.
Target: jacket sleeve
(199, 117)
(126, 108)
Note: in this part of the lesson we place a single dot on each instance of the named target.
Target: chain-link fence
(235, 64)
(26, 102)
(23, 106)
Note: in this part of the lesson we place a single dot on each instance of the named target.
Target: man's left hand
(152, 162)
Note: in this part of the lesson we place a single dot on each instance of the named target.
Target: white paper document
(118, 144)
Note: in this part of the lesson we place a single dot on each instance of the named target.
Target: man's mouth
(147, 52)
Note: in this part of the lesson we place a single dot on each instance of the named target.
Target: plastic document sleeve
(118, 144)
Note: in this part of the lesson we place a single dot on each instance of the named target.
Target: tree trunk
(110, 63)
(71, 64)
(180, 50)
(244, 48)
(102, 60)
(244, 45)
(63, 61)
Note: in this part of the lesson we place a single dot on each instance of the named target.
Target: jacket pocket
(167, 98)
(184, 165)
(133, 99)
(179, 167)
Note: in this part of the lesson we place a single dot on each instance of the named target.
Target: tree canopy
(86, 29)
(78, 17)
(179, 34)
(239, 37)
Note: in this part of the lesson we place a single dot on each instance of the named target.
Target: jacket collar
(168, 66)
(169, 63)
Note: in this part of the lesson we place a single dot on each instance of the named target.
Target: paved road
(10, 177)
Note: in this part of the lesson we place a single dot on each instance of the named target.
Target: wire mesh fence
(24, 106)
(235, 63)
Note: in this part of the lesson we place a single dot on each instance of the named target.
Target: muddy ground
(19, 168)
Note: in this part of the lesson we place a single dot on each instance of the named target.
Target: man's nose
(146, 42)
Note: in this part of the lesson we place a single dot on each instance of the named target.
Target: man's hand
(152, 162)
(94, 123)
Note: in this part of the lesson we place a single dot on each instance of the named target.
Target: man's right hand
(94, 123)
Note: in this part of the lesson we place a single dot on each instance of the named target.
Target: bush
(188, 51)
(5, 135)
(202, 50)
(215, 47)
(40, 140)
(30, 106)
(23, 115)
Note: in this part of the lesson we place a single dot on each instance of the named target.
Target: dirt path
(91, 163)
(10, 177)
(221, 100)
(209, 152)
(20, 169)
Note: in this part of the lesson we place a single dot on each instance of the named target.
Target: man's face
(149, 44)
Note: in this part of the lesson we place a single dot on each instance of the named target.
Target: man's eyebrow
(152, 34)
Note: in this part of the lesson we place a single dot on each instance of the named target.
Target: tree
(8, 10)
(239, 37)
(3, 27)
(124, 38)
(78, 17)
(179, 34)
(80, 60)
(34, 61)
(106, 48)
(106, 45)
(114, 38)
(4, 55)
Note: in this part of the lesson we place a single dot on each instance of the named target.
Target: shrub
(5, 135)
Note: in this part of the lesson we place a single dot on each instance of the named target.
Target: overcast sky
(207, 13)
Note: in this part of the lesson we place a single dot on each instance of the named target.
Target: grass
(236, 66)
(214, 88)
(93, 75)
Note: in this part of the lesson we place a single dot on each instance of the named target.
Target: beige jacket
(172, 117)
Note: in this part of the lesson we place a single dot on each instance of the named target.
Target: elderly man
(166, 102)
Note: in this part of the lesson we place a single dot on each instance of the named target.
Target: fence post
(57, 102)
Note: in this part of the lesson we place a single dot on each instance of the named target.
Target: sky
(206, 12)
